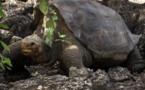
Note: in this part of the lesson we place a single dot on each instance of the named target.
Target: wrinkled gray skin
(98, 35)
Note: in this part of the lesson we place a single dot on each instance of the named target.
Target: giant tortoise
(96, 36)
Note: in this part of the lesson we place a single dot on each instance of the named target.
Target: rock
(134, 83)
(75, 72)
(143, 77)
(43, 81)
(18, 7)
(98, 80)
(119, 74)
(101, 80)
(52, 83)
(15, 39)
(19, 25)
(5, 35)
(137, 1)
(3, 86)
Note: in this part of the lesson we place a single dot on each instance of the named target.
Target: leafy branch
(5, 62)
(49, 21)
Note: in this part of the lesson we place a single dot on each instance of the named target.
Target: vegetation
(5, 62)
(49, 21)
(49, 25)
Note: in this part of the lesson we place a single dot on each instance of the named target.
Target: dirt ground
(117, 78)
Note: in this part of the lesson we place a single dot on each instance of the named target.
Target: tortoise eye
(32, 43)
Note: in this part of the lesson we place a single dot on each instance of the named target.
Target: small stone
(121, 86)
(143, 77)
(100, 80)
(35, 73)
(15, 39)
(40, 87)
(137, 1)
(3, 86)
(119, 74)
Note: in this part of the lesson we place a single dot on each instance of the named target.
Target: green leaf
(2, 14)
(6, 61)
(49, 29)
(49, 37)
(5, 46)
(50, 24)
(43, 6)
(2, 66)
(4, 26)
(9, 68)
(61, 35)
(55, 17)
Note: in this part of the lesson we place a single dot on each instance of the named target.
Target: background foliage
(5, 62)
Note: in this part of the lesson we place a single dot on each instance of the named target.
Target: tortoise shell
(99, 28)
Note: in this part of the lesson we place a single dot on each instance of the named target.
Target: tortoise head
(32, 45)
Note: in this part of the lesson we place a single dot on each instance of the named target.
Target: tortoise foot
(78, 72)
(136, 63)
(137, 67)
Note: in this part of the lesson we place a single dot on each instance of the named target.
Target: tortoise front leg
(73, 53)
(72, 57)
(135, 61)
(73, 62)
